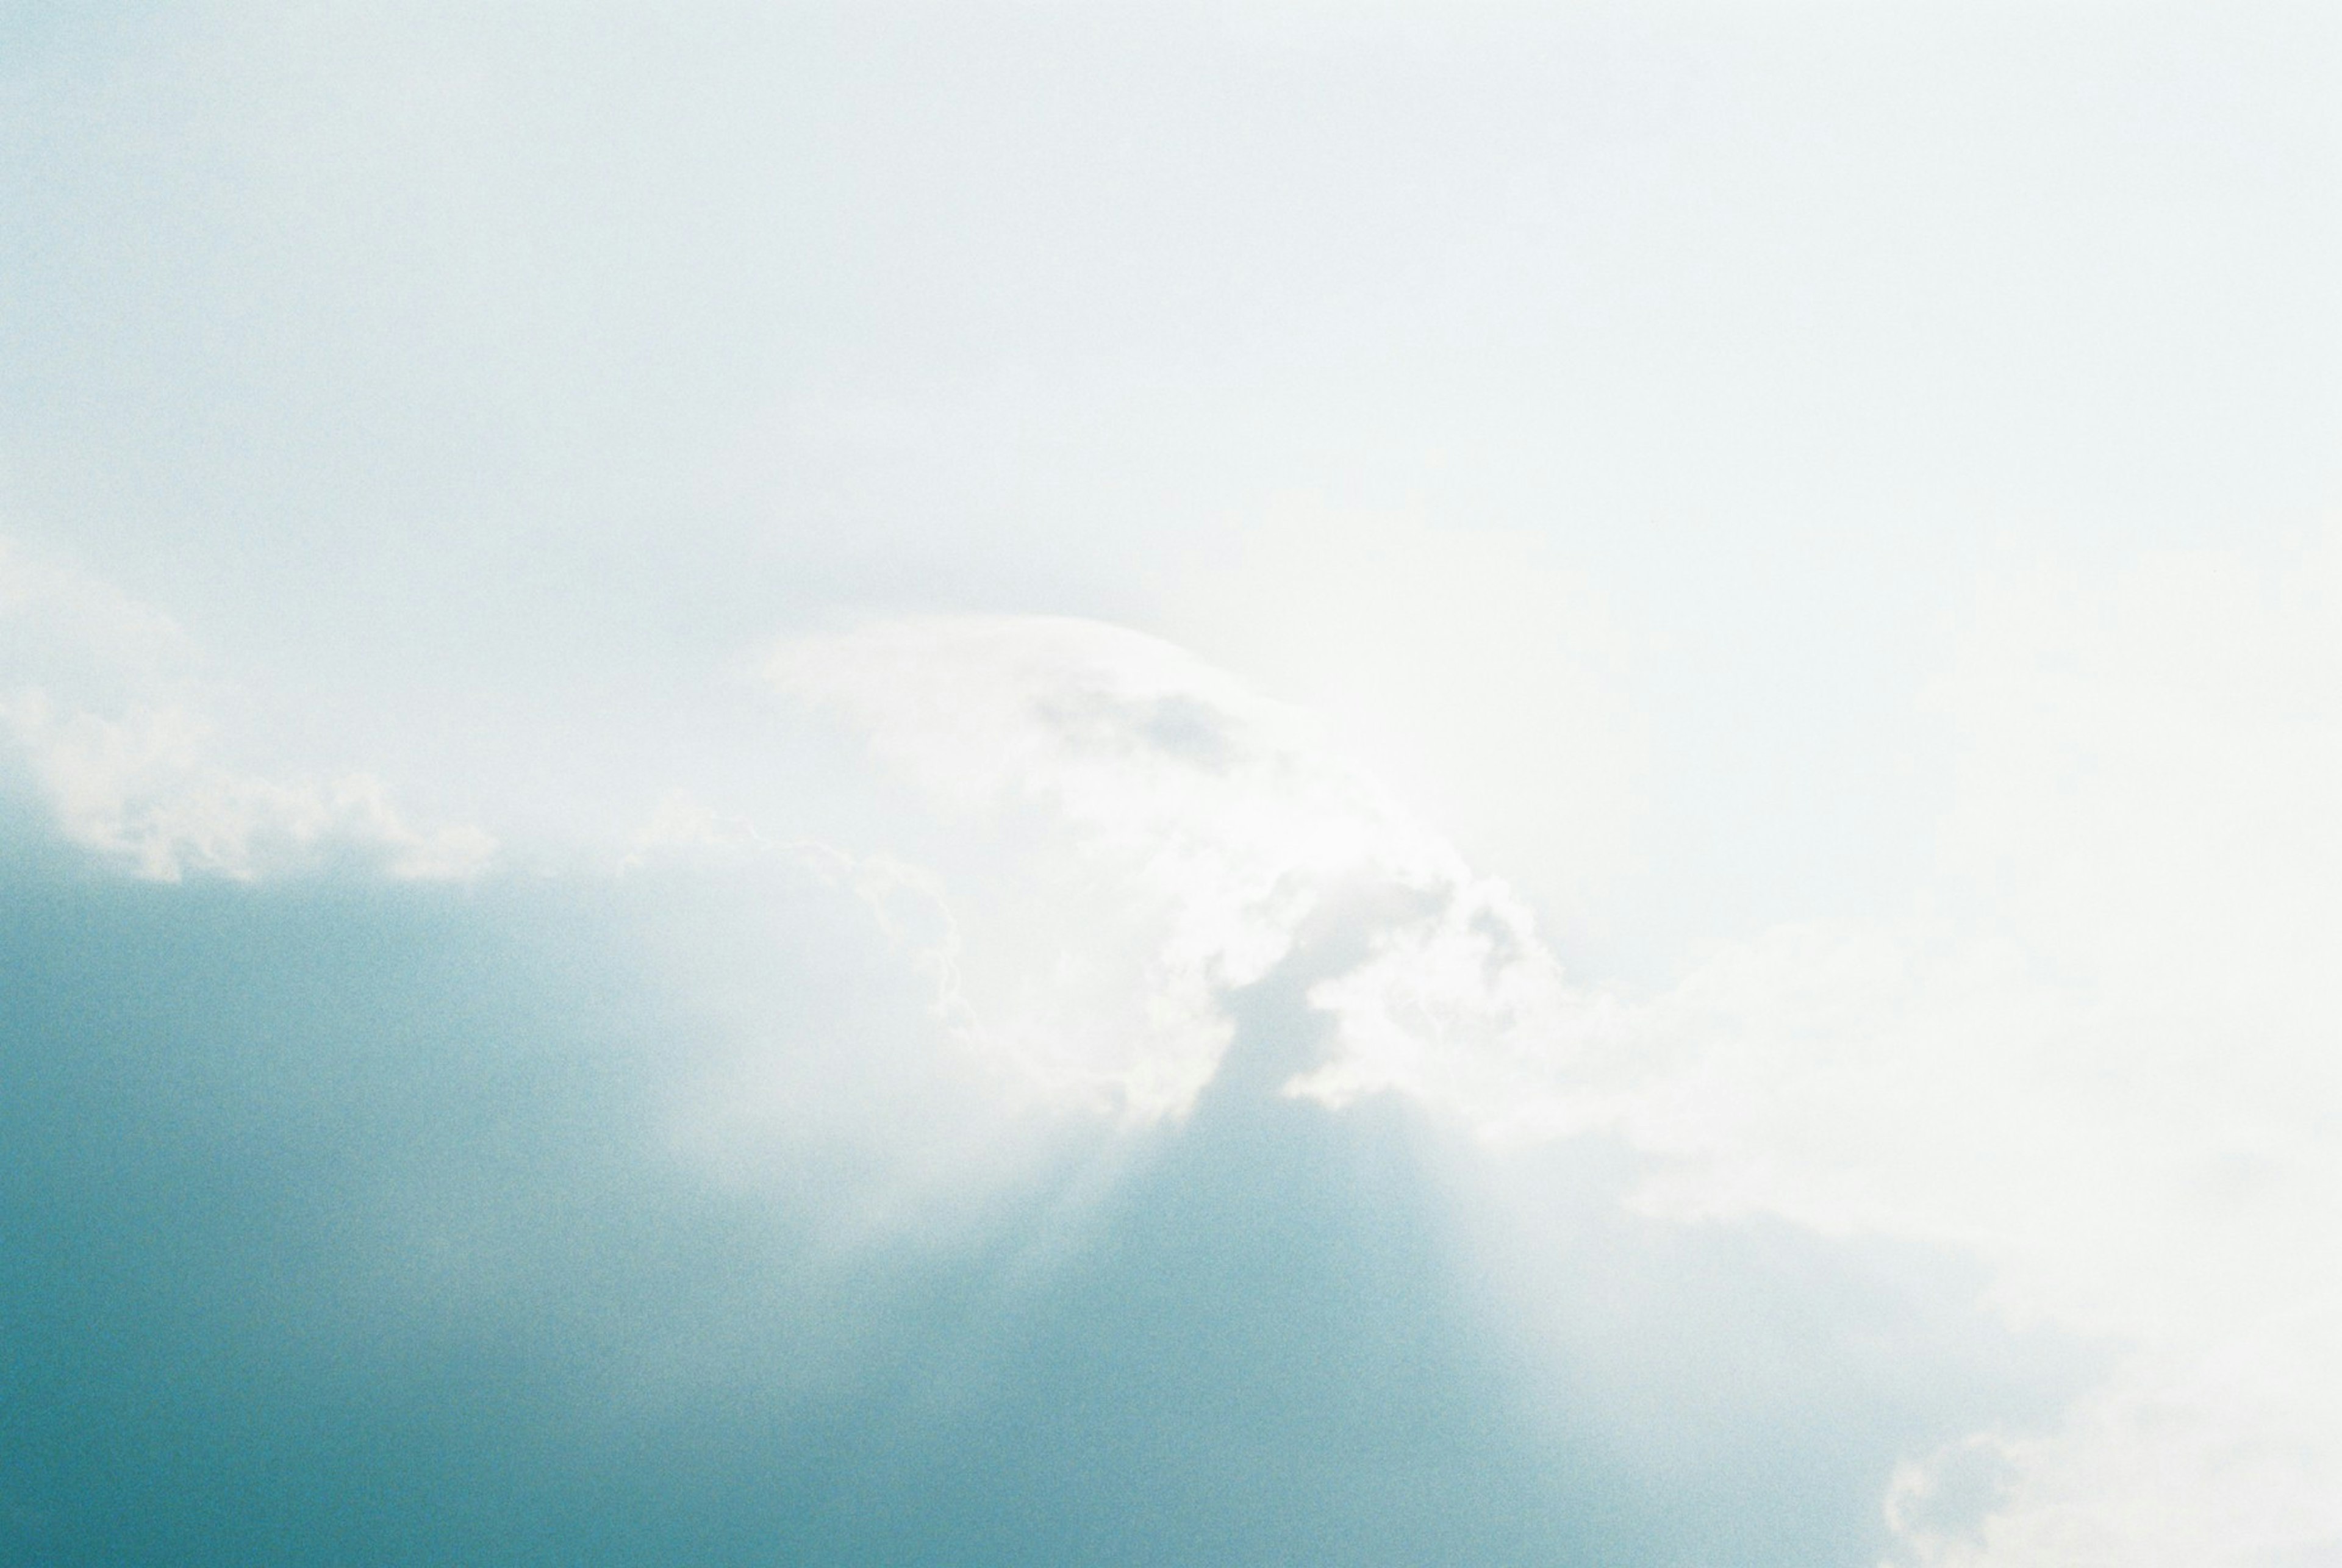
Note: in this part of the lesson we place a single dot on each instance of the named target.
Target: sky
(1189, 782)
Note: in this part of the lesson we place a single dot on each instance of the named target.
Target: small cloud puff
(138, 791)
(95, 695)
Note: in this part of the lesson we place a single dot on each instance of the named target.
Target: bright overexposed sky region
(1196, 782)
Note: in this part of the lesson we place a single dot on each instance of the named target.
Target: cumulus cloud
(2090, 1055)
(2098, 1052)
(99, 697)
(1199, 829)
(622, 1215)
(2089, 1058)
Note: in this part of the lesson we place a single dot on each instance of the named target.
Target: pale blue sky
(470, 364)
(1322, 780)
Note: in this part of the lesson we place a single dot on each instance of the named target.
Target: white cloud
(1471, 670)
(2099, 1052)
(98, 696)
(2096, 1054)
(1190, 830)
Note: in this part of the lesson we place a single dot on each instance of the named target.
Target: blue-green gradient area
(347, 1224)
